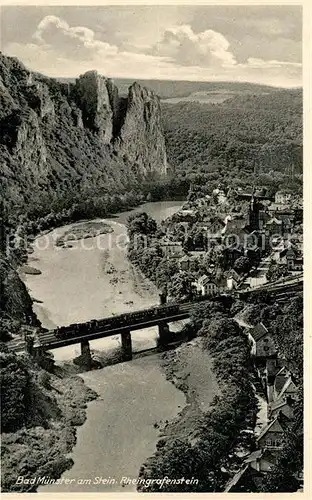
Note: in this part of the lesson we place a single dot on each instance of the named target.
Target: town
(224, 241)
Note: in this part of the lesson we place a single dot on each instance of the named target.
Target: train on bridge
(113, 322)
(165, 310)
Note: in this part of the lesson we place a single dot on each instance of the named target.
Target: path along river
(94, 280)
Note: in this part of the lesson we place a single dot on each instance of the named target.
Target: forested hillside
(261, 133)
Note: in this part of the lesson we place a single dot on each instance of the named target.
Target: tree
(277, 271)
(166, 269)
(5, 331)
(14, 390)
(218, 329)
(141, 223)
(242, 265)
(180, 287)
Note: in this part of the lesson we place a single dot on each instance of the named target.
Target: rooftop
(259, 331)
(274, 220)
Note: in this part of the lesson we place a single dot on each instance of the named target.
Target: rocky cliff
(64, 140)
(15, 302)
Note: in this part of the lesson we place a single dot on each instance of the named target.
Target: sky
(259, 44)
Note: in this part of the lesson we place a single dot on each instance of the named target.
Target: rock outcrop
(15, 302)
(66, 139)
(141, 118)
(94, 101)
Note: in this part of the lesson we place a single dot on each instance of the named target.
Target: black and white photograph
(151, 248)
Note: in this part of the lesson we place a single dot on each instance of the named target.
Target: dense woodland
(243, 136)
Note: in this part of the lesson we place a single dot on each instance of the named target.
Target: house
(184, 215)
(271, 436)
(205, 286)
(283, 197)
(235, 231)
(282, 406)
(221, 196)
(274, 226)
(171, 248)
(234, 222)
(291, 257)
(184, 263)
(246, 480)
(214, 227)
(261, 460)
(232, 280)
(287, 253)
(232, 253)
(263, 346)
(284, 385)
(287, 222)
(190, 261)
(273, 365)
(200, 254)
(278, 209)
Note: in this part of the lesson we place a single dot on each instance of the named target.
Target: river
(94, 280)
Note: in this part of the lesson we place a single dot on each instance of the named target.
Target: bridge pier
(29, 344)
(163, 297)
(163, 333)
(126, 345)
(86, 354)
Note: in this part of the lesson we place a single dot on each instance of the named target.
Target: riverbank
(190, 369)
(122, 427)
(213, 432)
(106, 284)
(57, 406)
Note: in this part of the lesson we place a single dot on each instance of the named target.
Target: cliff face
(69, 139)
(141, 119)
(15, 302)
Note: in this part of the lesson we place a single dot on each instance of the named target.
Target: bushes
(14, 391)
(276, 272)
(211, 458)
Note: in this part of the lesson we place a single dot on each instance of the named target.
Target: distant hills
(167, 89)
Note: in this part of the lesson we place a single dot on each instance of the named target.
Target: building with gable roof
(283, 197)
(274, 226)
(206, 286)
(263, 346)
(284, 384)
(246, 480)
(271, 436)
(261, 460)
(281, 406)
(171, 248)
(232, 279)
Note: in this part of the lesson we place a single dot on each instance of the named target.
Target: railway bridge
(160, 316)
(123, 324)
